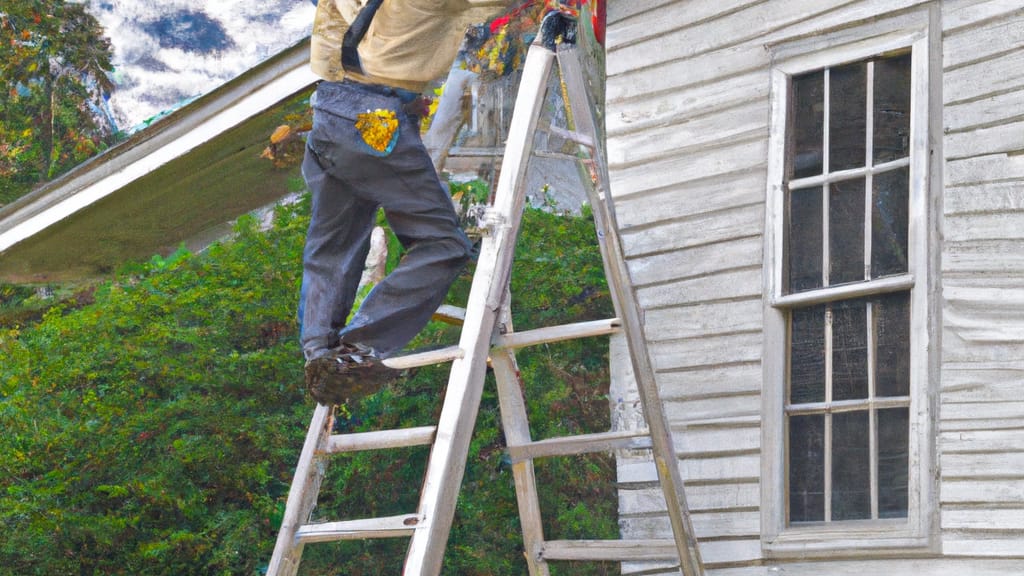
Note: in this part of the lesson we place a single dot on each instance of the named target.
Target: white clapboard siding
(649, 110)
(738, 495)
(712, 194)
(1010, 519)
(704, 318)
(989, 111)
(710, 408)
(986, 226)
(983, 256)
(725, 524)
(990, 197)
(736, 378)
(980, 41)
(983, 169)
(671, 16)
(983, 492)
(693, 231)
(990, 312)
(670, 76)
(739, 251)
(687, 111)
(887, 567)
(732, 284)
(977, 441)
(680, 168)
(961, 416)
(740, 469)
(713, 35)
(740, 122)
(965, 464)
(1002, 137)
(974, 383)
(1000, 73)
(960, 14)
(620, 13)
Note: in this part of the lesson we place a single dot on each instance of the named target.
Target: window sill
(849, 539)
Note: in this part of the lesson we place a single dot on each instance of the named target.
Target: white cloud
(153, 78)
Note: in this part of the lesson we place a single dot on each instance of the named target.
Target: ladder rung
(582, 444)
(427, 358)
(376, 440)
(386, 527)
(610, 550)
(450, 314)
(572, 135)
(557, 333)
(555, 155)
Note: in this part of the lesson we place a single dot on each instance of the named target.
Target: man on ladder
(365, 152)
(351, 155)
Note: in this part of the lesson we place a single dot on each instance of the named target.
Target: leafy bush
(155, 430)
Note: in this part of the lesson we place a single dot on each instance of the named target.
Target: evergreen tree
(54, 60)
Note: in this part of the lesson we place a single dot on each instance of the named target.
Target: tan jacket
(409, 43)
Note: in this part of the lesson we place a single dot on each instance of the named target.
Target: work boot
(345, 374)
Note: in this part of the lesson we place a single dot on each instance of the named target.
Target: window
(846, 439)
(847, 186)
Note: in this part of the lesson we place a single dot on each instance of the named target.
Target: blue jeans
(348, 182)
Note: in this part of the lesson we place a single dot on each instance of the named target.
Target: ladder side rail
(301, 496)
(516, 425)
(581, 122)
(620, 285)
(447, 461)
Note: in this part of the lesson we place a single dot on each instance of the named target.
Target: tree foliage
(155, 430)
(54, 59)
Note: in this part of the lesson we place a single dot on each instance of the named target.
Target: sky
(167, 52)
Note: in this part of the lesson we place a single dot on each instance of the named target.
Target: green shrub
(155, 430)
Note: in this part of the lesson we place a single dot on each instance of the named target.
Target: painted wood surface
(980, 440)
(687, 123)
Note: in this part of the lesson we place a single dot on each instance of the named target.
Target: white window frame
(854, 537)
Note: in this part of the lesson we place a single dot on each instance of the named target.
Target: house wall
(687, 121)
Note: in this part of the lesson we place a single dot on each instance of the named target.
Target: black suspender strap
(354, 35)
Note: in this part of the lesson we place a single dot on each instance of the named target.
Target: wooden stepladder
(487, 337)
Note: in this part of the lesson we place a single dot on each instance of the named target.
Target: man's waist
(376, 83)
(403, 94)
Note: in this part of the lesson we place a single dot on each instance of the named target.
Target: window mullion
(826, 126)
(873, 410)
(869, 156)
(827, 445)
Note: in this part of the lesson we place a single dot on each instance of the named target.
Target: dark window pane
(893, 443)
(849, 350)
(892, 108)
(807, 468)
(847, 116)
(892, 355)
(807, 355)
(805, 239)
(808, 124)
(851, 466)
(889, 223)
(846, 232)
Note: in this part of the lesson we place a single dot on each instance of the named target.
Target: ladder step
(338, 443)
(386, 527)
(582, 444)
(573, 136)
(417, 359)
(557, 333)
(610, 550)
(450, 314)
